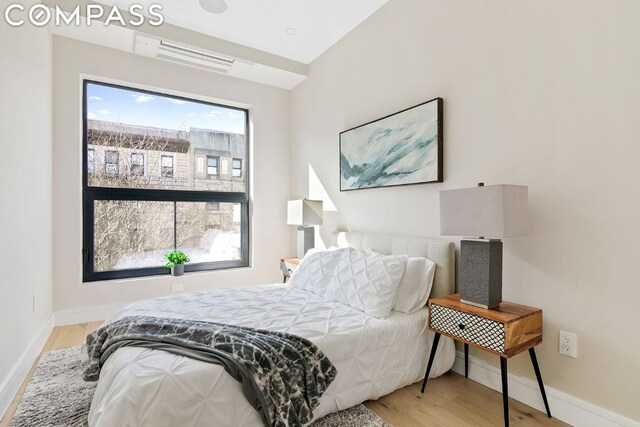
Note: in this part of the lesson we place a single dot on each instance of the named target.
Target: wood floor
(61, 337)
(450, 400)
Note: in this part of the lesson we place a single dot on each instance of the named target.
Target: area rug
(57, 396)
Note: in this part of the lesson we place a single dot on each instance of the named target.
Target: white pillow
(315, 271)
(367, 281)
(415, 287)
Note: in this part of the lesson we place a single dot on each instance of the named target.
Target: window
(129, 224)
(200, 164)
(212, 166)
(237, 168)
(90, 161)
(111, 162)
(137, 164)
(166, 167)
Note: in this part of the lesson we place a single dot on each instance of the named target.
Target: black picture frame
(438, 140)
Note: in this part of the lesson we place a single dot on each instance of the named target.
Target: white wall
(545, 94)
(25, 173)
(270, 119)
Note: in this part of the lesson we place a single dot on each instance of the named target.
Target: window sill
(163, 277)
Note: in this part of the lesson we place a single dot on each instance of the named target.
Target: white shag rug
(57, 396)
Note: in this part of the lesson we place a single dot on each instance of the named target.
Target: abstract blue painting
(400, 149)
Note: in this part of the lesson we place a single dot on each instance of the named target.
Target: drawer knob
(461, 326)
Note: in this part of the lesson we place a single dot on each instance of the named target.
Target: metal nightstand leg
(432, 356)
(505, 390)
(466, 360)
(534, 362)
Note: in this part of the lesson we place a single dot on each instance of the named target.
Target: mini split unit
(190, 55)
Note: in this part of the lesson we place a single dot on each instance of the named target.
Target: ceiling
(262, 24)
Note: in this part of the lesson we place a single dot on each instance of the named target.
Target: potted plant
(176, 261)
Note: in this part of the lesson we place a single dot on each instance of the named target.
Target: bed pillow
(367, 281)
(315, 271)
(415, 287)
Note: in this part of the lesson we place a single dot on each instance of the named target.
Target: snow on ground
(215, 245)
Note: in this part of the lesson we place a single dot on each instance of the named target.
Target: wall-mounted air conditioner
(189, 55)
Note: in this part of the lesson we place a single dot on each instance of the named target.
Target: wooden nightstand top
(507, 312)
(505, 331)
(287, 265)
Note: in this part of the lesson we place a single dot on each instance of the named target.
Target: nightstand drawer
(479, 330)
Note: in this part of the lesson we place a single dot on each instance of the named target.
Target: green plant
(176, 257)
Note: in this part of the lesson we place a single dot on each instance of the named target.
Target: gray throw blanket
(282, 375)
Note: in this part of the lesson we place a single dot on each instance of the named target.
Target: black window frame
(106, 163)
(233, 168)
(132, 164)
(173, 166)
(217, 166)
(92, 194)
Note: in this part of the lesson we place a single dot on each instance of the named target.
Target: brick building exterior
(127, 156)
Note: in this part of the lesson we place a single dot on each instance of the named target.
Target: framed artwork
(401, 149)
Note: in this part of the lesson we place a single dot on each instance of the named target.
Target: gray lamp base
(481, 272)
(306, 240)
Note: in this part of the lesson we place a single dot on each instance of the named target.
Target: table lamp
(490, 212)
(304, 213)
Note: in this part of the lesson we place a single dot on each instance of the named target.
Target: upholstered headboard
(441, 252)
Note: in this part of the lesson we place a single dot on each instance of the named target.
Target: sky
(136, 108)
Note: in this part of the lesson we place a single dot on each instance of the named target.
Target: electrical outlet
(568, 344)
(177, 287)
(33, 304)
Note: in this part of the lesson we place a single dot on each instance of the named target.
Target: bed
(374, 357)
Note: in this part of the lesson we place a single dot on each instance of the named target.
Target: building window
(166, 167)
(212, 166)
(90, 160)
(137, 164)
(111, 162)
(237, 168)
(200, 164)
(128, 224)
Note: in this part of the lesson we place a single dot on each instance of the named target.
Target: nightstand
(287, 266)
(505, 331)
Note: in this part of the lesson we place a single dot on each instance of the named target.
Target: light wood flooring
(450, 400)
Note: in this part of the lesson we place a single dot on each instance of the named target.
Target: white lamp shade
(489, 211)
(304, 212)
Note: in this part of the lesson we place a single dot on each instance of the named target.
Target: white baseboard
(564, 407)
(86, 314)
(20, 370)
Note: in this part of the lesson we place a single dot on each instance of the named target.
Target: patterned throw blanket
(282, 375)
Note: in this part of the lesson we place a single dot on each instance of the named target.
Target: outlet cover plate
(568, 344)
(177, 287)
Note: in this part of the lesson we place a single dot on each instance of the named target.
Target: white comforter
(144, 387)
